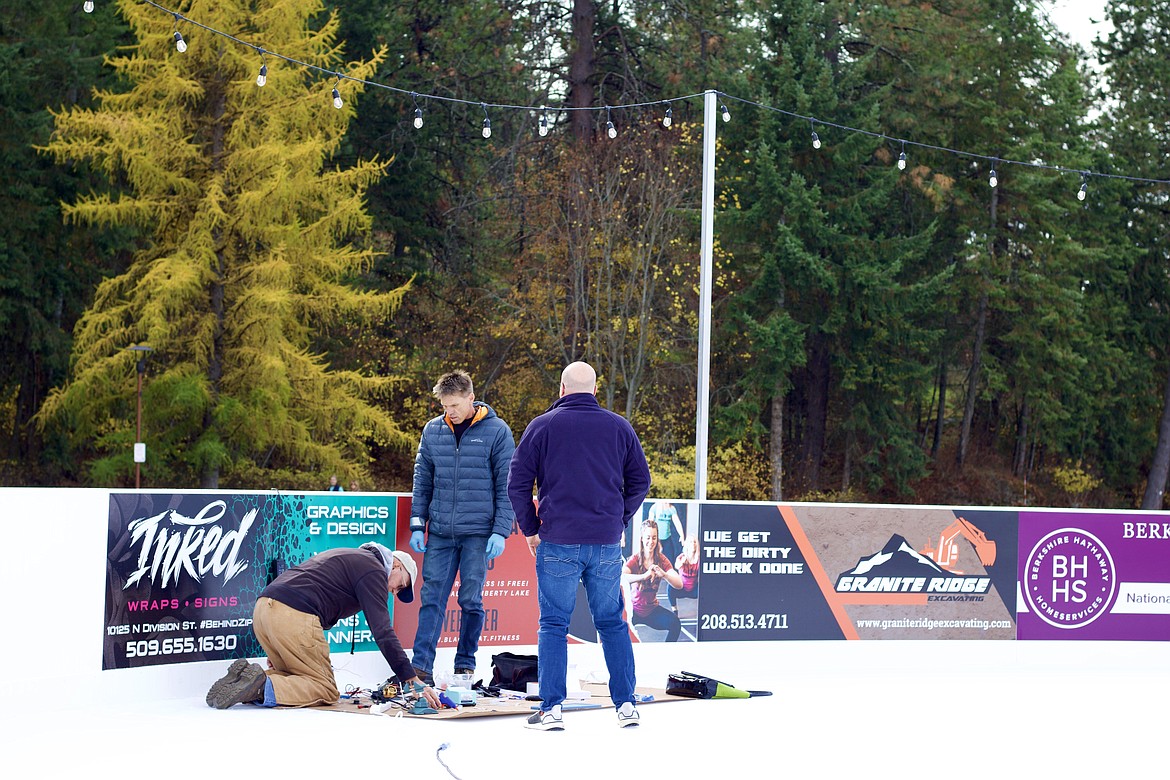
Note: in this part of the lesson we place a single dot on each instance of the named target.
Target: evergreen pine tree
(253, 236)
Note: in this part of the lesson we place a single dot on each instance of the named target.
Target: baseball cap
(406, 595)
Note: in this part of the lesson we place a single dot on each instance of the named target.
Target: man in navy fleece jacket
(591, 477)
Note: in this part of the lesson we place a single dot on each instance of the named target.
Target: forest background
(303, 273)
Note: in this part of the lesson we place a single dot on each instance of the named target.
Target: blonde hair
(655, 552)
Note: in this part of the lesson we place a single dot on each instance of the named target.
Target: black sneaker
(543, 720)
(465, 670)
(244, 683)
(426, 677)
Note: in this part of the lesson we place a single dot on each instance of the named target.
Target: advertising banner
(1102, 576)
(856, 572)
(184, 570)
(511, 611)
(755, 581)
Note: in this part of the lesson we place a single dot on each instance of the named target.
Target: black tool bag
(696, 686)
(513, 671)
(691, 686)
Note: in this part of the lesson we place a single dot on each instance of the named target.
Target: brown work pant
(301, 673)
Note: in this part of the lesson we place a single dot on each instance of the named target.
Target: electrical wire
(439, 758)
(726, 115)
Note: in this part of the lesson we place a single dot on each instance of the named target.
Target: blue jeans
(446, 556)
(559, 567)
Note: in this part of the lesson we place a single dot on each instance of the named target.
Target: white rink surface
(868, 709)
(950, 709)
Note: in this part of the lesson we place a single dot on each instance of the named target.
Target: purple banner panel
(1088, 575)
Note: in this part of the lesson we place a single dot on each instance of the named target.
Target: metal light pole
(139, 446)
(706, 259)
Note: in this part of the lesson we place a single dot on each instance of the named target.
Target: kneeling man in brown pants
(291, 616)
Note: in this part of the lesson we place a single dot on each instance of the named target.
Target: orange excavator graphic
(946, 554)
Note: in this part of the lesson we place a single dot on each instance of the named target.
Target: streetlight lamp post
(139, 445)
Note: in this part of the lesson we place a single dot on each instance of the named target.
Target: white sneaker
(627, 715)
(549, 720)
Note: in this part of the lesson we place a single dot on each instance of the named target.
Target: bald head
(578, 378)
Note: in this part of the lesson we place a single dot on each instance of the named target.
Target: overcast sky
(1076, 17)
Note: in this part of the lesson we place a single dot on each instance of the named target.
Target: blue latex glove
(417, 542)
(495, 546)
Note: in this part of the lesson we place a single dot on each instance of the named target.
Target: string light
(542, 127)
(418, 117)
(669, 117)
(87, 6)
(993, 179)
(610, 130)
(816, 139)
(337, 101)
(262, 76)
(487, 122)
(180, 44)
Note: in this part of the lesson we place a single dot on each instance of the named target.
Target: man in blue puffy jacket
(461, 515)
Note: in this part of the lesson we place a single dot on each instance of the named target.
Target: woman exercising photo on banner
(642, 574)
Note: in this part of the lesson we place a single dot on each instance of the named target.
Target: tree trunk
(972, 382)
(581, 63)
(776, 444)
(1019, 462)
(1160, 468)
(977, 350)
(816, 412)
(942, 409)
(847, 461)
(210, 478)
(216, 295)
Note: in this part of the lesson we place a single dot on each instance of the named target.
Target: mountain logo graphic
(899, 568)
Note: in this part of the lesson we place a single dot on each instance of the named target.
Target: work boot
(233, 673)
(244, 683)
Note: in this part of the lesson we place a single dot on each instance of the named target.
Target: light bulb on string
(418, 114)
(180, 44)
(542, 127)
(262, 76)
